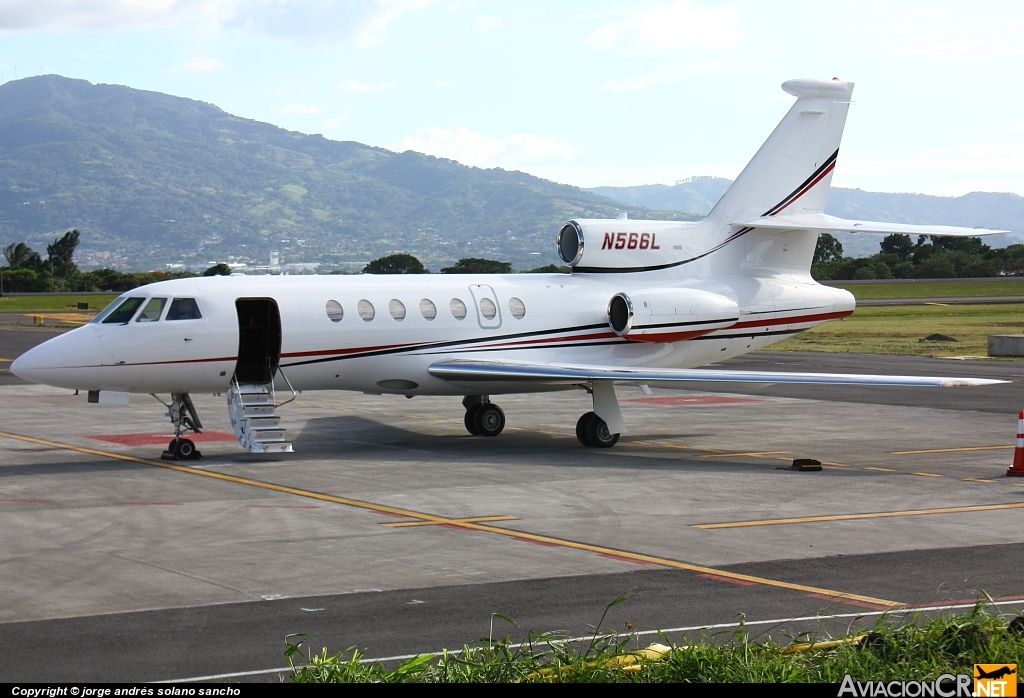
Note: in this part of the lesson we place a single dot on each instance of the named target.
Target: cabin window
(517, 308)
(427, 309)
(124, 312)
(153, 310)
(334, 311)
(397, 309)
(184, 309)
(365, 309)
(487, 308)
(458, 309)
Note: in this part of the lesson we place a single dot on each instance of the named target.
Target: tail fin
(792, 171)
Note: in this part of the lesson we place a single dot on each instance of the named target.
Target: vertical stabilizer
(792, 171)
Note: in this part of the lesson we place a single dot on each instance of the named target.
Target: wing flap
(831, 224)
(465, 371)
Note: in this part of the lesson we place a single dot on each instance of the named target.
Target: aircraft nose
(64, 361)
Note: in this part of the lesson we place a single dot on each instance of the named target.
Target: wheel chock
(804, 465)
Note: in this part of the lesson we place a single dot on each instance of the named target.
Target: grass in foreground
(62, 303)
(919, 649)
(927, 289)
(897, 330)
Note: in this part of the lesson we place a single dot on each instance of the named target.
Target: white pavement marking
(716, 626)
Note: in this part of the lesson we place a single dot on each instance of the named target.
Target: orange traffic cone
(1018, 453)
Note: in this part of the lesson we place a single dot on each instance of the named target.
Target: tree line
(929, 257)
(28, 272)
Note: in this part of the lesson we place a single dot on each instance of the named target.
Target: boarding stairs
(252, 409)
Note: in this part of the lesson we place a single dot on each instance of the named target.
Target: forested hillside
(149, 179)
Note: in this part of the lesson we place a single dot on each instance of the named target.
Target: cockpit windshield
(122, 313)
(153, 310)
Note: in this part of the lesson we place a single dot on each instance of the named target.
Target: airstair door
(259, 340)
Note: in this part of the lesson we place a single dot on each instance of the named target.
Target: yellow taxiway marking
(512, 533)
(6, 360)
(837, 465)
(949, 450)
(874, 515)
(755, 454)
(927, 474)
(470, 519)
(976, 479)
(881, 470)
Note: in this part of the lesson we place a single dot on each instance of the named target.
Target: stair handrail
(289, 384)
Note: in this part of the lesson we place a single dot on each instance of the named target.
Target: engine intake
(570, 243)
(669, 315)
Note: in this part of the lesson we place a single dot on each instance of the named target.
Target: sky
(590, 93)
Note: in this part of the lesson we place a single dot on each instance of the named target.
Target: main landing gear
(592, 431)
(183, 416)
(483, 418)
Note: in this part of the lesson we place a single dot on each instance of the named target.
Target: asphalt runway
(392, 530)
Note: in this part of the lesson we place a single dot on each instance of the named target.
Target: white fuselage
(564, 318)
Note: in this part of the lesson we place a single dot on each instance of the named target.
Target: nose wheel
(184, 418)
(483, 418)
(592, 431)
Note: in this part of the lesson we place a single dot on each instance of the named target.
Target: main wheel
(581, 429)
(598, 434)
(185, 449)
(489, 420)
(470, 420)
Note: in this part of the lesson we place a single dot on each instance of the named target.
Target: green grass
(919, 649)
(926, 289)
(43, 304)
(897, 329)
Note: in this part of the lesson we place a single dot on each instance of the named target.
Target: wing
(831, 224)
(464, 371)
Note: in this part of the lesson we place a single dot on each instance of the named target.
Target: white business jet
(646, 302)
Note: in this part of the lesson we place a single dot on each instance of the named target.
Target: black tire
(470, 420)
(185, 449)
(598, 434)
(172, 445)
(489, 420)
(581, 429)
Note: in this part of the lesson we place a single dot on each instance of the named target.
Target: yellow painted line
(934, 303)
(674, 446)
(949, 450)
(837, 465)
(882, 470)
(927, 474)
(976, 479)
(512, 533)
(7, 360)
(755, 454)
(873, 515)
(471, 519)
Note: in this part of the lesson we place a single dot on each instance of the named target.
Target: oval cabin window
(517, 308)
(427, 309)
(397, 309)
(334, 311)
(487, 308)
(366, 311)
(458, 309)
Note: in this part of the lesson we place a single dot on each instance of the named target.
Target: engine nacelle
(669, 314)
(625, 244)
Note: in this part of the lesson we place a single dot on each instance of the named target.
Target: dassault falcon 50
(645, 302)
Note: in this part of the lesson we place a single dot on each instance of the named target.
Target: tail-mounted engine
(625, 245)
(669, 315)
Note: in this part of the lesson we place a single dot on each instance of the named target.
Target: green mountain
(151, 179)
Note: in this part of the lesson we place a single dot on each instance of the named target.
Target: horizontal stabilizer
(830, 224)
(562, 374)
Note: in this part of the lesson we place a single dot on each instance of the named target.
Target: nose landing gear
(483, 418)
(183, 416)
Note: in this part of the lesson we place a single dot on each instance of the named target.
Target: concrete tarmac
(392, 530)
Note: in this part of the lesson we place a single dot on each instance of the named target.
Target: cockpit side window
(184, 309)
(154, 308)
(124, 312)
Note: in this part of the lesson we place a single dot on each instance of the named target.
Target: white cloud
(336, 122)
(486, 24)
(472, 148)
(200, 65)
(358, 86)
(626, 86)
(107, 14)
(681, 25)
(373, 29)
(302, 109)
(443, 84)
